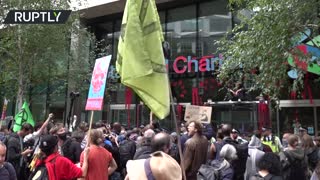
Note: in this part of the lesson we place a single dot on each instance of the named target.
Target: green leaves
(263, 40)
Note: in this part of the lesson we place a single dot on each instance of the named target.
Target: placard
(98, 83)
(201, 113)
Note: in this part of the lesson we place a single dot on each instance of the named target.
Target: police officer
(271, 140)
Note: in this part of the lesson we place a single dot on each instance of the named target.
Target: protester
(7, 171)
(316, 173)
(160, 166)
(285, 141)
(59, 167)
(17, 152)
(100, 161)
(145, 149)
(271, 140)
(269, 168)
(195, 151)
(127, 149)
(228, 154)
(294, 162)
(161, 142)
(311, 150)
(255, 154)
(69, 147)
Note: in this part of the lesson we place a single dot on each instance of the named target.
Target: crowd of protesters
(110, 151)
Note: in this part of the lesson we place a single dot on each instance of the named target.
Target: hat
(47, 143)
(163, 167)
(266, 128)
(235, 131)
(302, 129)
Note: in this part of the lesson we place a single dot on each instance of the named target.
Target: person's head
(285, 139)
(228, 152)
(161, 142)
(3, 151)
(116, 127)
(96, 137)
(266, 131)
(26, 129)
(234, 134)
(62, 134)
(48, 144)
(302, 131)
(219, 134)
(270, 162)
(307, 142)
(194, 127)
(226, 130)
(183, 129)
(293, 141)
(317, 141)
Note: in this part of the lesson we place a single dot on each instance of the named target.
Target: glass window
(290, 116)
(214, 22)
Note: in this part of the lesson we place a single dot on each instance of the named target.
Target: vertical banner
(98, 83)
(4, 109)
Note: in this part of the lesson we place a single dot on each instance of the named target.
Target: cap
(47, 143)
(302, 129)
(266, 128)
(162, 166)
(235, 131)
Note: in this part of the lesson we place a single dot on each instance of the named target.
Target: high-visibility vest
(273, 143)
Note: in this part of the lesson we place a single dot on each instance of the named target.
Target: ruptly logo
(37, 16)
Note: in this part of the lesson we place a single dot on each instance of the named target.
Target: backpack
(41, 171)
(207, 172)
(295, 169)
(313, 158)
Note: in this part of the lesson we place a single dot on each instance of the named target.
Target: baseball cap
(234, 131)
(47, 143)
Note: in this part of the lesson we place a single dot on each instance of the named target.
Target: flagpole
(177, 130)
(90, 126)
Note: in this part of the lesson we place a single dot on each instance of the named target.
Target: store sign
(183, 64)
(192, 64)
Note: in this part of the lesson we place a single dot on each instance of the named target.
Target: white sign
(201, 113)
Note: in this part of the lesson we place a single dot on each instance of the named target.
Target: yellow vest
(272, 144)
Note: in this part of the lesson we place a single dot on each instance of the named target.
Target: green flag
(24, 116)
(140, 60)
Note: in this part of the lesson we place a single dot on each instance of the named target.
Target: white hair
(149, 133)
(228, 152)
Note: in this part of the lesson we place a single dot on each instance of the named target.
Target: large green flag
(140, 60)
(24, 116)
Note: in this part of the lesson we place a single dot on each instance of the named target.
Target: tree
(37, 58)
(259, 46)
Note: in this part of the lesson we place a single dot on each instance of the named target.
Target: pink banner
(98, 84)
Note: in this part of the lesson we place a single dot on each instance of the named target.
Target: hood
(220, 164)
(296, 154)
(255, 143)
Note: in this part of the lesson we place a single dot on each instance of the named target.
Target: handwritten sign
(201, 113)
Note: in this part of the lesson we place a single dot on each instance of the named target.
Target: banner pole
(177, 130)
(90, 126)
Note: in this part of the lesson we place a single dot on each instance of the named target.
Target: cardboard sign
(201, 113)
(98, 83)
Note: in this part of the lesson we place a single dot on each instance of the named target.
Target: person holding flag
(16, 151)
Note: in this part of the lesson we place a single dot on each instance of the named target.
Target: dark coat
(144, 151)
(7, 172)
